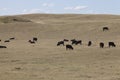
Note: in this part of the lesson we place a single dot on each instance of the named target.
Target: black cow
(35, 39)
(7, 41)
(66, 40)
(79, 42)
(101, 45)
(3, 47)
(69, 47)
(105, 28)
(12, 38)
(32, 42)
(60, 43)
(89, 43)
(73, 41)
(76, 42)
(111, 44)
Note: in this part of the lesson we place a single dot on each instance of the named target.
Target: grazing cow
(101, 45)
(32, 42)
(111, 44)
(69, 47)
(12, 38)
(35, 39)
(7, 41)
(15, 20)
(76, 42)
(73, 41)
(60, 43)
(79, 42)
(66, 40)
(89, 43)
(105, 28)
(3, 47)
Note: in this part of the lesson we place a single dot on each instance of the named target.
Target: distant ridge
(11, 19)
(70, 16)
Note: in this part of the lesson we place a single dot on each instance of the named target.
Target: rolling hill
(46, 61)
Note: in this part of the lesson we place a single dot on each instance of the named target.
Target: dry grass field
(46, 61)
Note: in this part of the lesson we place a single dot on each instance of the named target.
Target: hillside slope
(44, 60)
(64, 26)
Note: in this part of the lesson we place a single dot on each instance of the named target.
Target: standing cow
(111, 44)
(101, 45)
(60, 43)
(89, 43)
(35, 39)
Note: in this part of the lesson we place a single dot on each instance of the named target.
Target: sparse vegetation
(11, 19)
(44, 60)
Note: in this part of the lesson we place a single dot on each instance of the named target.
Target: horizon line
(59, 14)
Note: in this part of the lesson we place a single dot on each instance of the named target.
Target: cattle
(7, 41)
(66, 40)
(3, 47)
(69, 47)
(105, 28)
(111, 44)
(76, 42)
(60, 43)
(101, 45)
(35, 39)
(89, 43)
(79, 42)
(32, 42)
(73, 41)
(12, 38)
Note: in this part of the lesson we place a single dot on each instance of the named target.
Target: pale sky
(15, 7)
